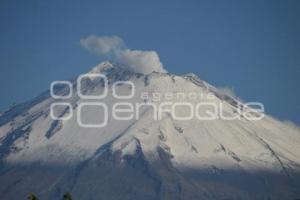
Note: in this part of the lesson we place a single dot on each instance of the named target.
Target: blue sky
(250, 46)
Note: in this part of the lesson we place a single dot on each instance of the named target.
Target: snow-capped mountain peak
(151, 154)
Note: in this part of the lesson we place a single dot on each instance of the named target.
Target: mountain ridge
(146, 158)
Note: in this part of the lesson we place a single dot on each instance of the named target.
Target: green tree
(31, 196)
(67, 196)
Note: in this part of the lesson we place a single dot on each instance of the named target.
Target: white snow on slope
(198, 140)
(217, 145)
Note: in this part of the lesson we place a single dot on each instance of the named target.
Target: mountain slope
(145, 158)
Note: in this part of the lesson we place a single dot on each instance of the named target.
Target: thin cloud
(113, 47)
(227, 91)
(102, 45)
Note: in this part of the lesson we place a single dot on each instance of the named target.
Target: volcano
(168, 158)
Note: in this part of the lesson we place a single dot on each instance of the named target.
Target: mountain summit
(150, 155)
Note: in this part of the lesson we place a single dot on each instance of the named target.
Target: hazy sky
(250, 46)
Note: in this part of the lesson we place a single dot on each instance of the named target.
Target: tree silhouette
(67, 196)
(31, 196)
